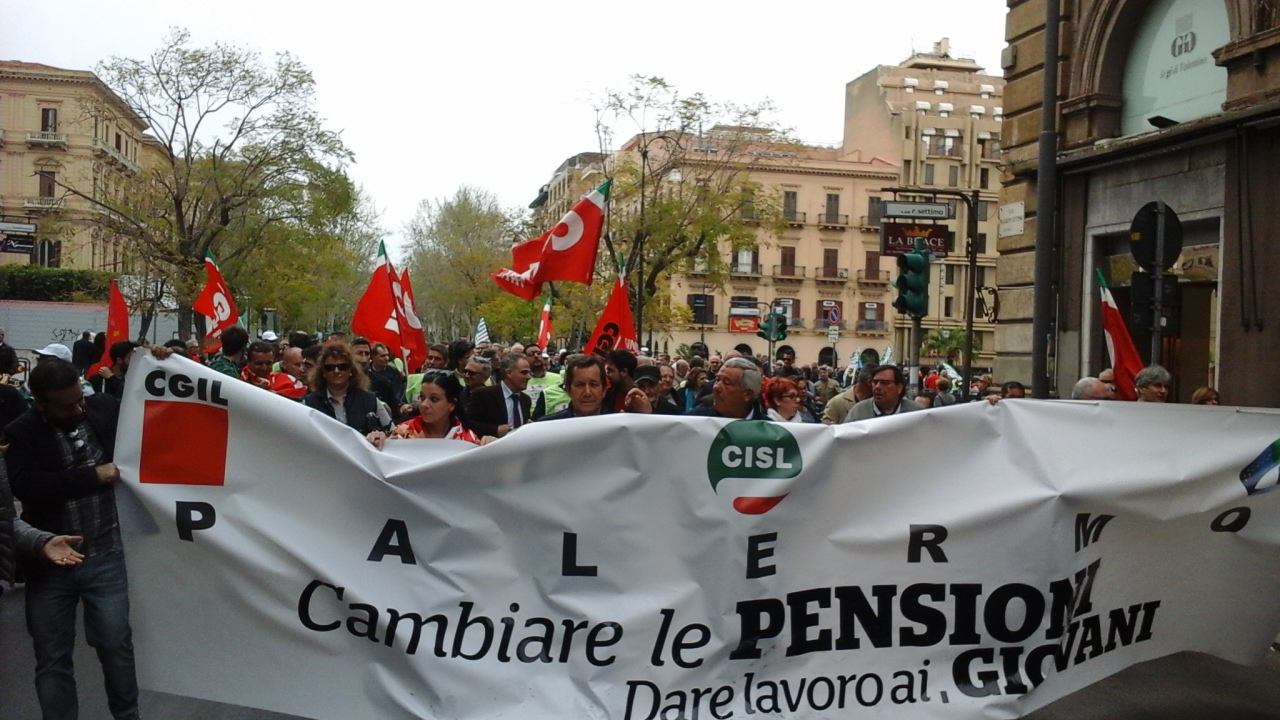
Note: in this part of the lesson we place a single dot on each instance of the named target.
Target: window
(982, 243)
(743, 301)
(704, 309)
(928, 174)
(786, 306)
(984, 178)
(48, 184)
(953, 176)
(945, 145)
(830, 258)
(48, 120)
(47, 253)
(873, 263)
(906, 172)
(833, 208)
(824, 306)
(981, 274)
(790, 199)
(788, 261)
(118, 142)
(949, 275)
(746, 262)
(984, 209)
(948, 308)
(875, 210)
(869, 311)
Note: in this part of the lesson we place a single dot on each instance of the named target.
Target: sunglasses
(342, 367)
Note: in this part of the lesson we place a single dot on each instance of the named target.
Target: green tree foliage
(683, 196)
(33, 282)
(947, 343)
(454, 244)
(241, 165)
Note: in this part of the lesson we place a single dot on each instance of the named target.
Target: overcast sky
(433, 95)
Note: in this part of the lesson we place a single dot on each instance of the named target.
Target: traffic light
(779, 327)
(767, 328)
(913, 284)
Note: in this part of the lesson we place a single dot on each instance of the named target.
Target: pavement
(1189, 686)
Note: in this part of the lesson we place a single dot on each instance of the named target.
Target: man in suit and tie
(502, 407)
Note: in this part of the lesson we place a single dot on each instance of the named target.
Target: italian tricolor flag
(1124, 356)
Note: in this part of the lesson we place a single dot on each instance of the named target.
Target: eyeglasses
(341, 367)
(788, 397)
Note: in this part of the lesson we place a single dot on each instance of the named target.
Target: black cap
(646, 373)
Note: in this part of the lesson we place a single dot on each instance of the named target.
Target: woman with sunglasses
(339, 389)
(440, 412)
(786, 399)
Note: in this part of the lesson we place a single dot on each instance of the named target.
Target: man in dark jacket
(61, 467)
(502, 407)
(736, 392)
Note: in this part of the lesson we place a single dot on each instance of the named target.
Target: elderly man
(825, 387)
(736, 393)
(837, 409)
(502, 407)
(1092, 388)
(584, 380)
(888, 395)
(1152, 383)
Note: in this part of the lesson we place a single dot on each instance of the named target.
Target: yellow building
(66, 139)
(938, 117)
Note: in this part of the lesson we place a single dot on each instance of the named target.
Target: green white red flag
(411, 332)
(1125, 360)
(544, 327)
(616, 329)
(216, 304)
(117, 328)
(565, 252)
(378, 314)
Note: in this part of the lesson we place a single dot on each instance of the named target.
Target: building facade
(65, 140)
(938, 118)
(1159, 101)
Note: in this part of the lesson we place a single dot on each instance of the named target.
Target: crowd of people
(59, 433)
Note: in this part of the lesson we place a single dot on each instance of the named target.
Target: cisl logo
(1263, 474)
(753, 462)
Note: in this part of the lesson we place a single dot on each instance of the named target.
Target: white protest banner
(965, 562)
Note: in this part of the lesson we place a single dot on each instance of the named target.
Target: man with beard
(545, 387)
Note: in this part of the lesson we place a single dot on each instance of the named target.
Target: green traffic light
(913, 284)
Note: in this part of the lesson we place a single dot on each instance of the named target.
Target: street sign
(16, 227)
(900, 238)
(917, 210)
(1143, 240)
(833, 334)
(833, 315)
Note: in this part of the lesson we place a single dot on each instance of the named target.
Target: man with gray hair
(1091, 388)
(1152, 383)
(736, 393)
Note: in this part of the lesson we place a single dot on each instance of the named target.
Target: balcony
(795, 218)
(869, 222)
(42, 204)
(706, 319)
(951, 152)
(788, 273)
(750, 215)
(745, 269)
(833, 221)
(873, 277)
(697, 271)
(795, 322)
(102, 147)
(48, 139)
(822, 324)
(831, 275)
(873, 327)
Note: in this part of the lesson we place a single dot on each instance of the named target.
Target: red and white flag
(215, 303)
(544, 327)
(565, 252)
(117, 328)
(378, 314)
(616, 329)
(411, 332)
(1124, 356)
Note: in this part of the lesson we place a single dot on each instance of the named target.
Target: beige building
(65, 138)
(938, 118)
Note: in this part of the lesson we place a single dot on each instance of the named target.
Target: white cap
(62, 352)
(270, 336)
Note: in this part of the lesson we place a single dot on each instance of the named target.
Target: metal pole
(970, 292)
(913, 358)
(1046, 208)
(1157, 295)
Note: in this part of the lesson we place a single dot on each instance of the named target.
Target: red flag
(215, 303)
(413, 336)
(117, 328)
(565, 252)
(377, 315)
(544, 327)
(1124, 356)
(616, 329)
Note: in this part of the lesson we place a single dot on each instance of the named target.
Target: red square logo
(183, 444)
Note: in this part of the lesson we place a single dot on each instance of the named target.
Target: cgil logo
(757, 459)
(1261, 475)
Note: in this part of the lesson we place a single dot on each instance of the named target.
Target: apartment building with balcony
(938, 117)
(825, 259)
(63, 135)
